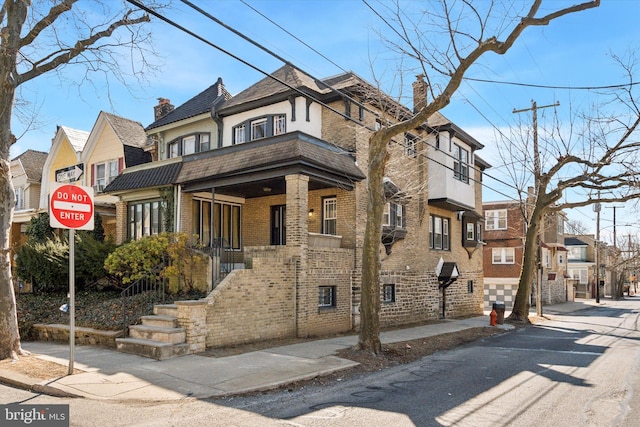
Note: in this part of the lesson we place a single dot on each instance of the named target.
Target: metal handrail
(152, 284)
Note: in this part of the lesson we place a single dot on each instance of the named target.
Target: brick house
(504, 235)
(275, 175)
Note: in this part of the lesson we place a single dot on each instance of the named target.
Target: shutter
(120, 165)
(93, 174)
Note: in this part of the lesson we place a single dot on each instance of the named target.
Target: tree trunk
(369, 337)
(9, 335)
(521, 305)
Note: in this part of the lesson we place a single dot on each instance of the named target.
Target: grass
(99, 310)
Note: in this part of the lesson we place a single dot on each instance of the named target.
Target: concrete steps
(158, 337)
(152, 349)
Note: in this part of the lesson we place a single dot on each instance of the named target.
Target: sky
(332, 36)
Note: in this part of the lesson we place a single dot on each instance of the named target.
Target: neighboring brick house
(505, 235)
(26, 176)
(275, 175)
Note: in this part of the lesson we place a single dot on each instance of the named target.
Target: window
(469, 286)
(226, 223)
(460, 163)
(389, 293)
(560, 258)
(238, 134)
(104, 173)
(410, 145)
(471, 228)
(279, 124)
(260, 127)
(439, 233)
(496, 219)
(188, 144)
(503, 255)
(393, 215)
(479, 232)
(329, 215)
(560, 226)
(145, 219)
(20, 198)
(327, 296)
(577, 253)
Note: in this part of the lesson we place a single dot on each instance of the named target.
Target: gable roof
(77, 138)
(272, 87)
(199, 104)
(129, 132)
(32, 162)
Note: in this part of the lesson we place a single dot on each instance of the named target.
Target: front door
(278, 225)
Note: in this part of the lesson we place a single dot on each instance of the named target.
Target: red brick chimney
(419, 93)
(162, 109)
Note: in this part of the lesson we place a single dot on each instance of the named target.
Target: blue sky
(572, 51)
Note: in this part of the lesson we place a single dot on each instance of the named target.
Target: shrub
(187, 271)
(134, 259)
(44, 264)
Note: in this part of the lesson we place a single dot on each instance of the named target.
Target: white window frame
(503, 255)
(496, 219)
(279, 124)
(20, 203)
(239, 134)
(471, 231)
(259, 124)
(410, 145)
(330, 215)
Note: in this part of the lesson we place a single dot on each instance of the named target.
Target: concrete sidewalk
(109, 374)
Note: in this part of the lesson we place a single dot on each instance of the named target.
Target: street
(579, 369)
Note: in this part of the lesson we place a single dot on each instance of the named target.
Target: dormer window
(259, 127)
(188, 144)
(410, 145)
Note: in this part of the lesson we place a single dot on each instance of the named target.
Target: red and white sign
(71, 206)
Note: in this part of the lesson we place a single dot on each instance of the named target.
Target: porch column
(121, 222)
(297, 239)
(297, 219)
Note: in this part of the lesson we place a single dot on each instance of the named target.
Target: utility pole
(596, 208)
(537, 172)
(614, 278)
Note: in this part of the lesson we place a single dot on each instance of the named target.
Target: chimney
(162, 109)
(419, 93)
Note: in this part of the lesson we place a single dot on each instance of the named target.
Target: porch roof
(151, 177)
(258, 168)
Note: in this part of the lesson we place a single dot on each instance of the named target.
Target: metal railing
(142, 294)
(223, 259)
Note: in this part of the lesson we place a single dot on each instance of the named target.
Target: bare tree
(42, 37)
(594, 160)
(471, 30)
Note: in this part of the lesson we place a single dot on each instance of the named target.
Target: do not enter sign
(71, 206)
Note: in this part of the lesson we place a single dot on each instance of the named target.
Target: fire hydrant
(493, 318)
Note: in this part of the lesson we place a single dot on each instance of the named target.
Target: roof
(272, 85)
(278, 156)
(574, 241)
(130, 132)
(32, 162)
(77, 138)
(199, 104)
(158, 176)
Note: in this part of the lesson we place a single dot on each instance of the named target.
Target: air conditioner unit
(98, 188)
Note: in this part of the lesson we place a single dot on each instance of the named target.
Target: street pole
(596, 208)
(614, 273)
(537, 172)
(72, 298)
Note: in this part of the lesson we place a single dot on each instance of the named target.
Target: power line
(614, 86)
(307, 95)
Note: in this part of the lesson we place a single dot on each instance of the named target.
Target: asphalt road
(576, 370)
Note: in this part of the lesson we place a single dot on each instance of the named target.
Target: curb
(25, 382)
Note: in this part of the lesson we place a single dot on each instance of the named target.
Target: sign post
(71, 207)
